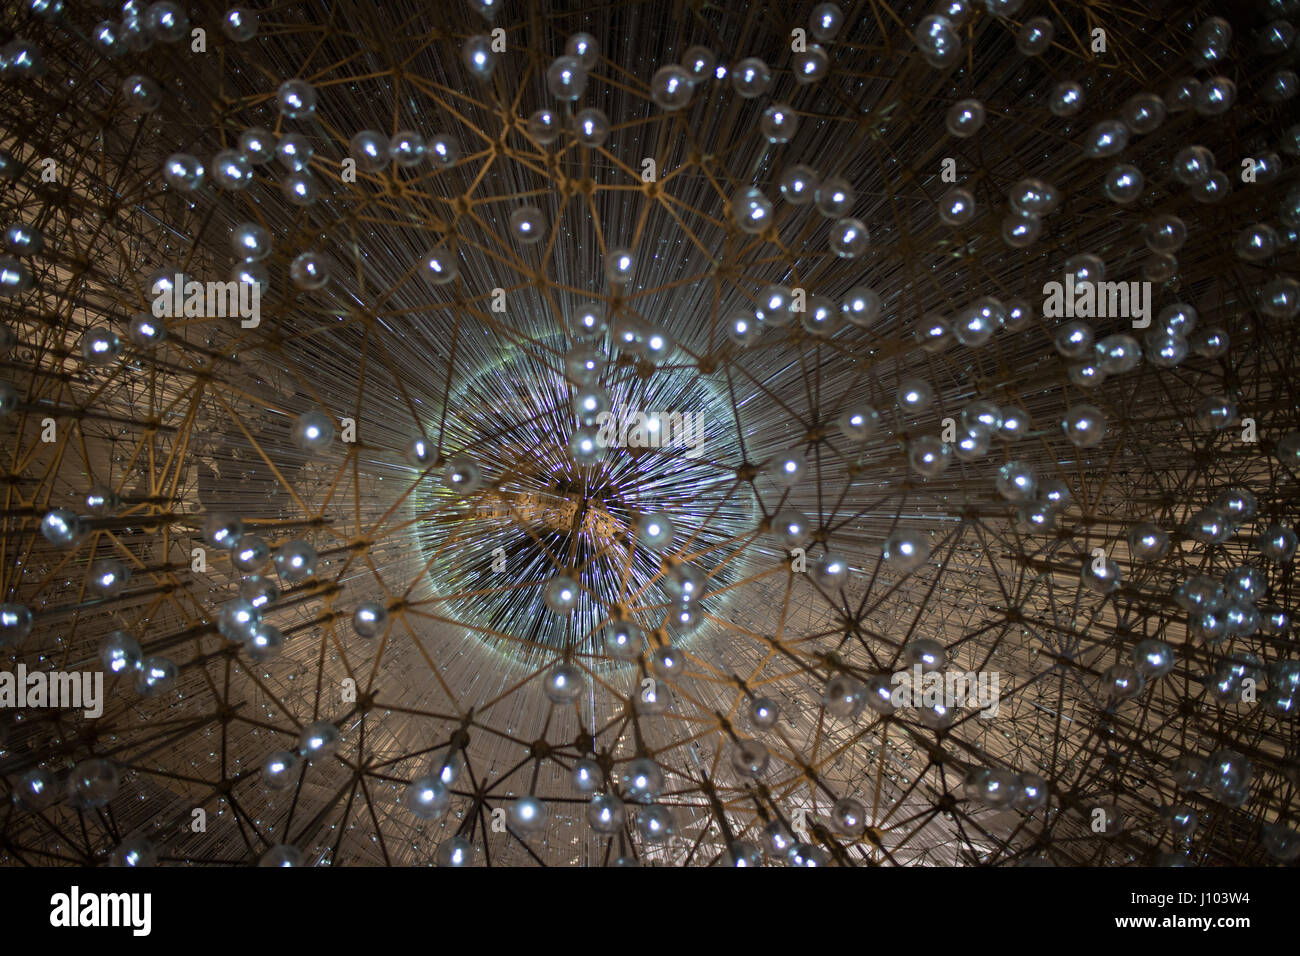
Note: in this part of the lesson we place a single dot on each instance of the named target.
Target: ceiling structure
(373, 581)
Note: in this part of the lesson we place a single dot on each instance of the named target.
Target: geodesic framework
(369, 589)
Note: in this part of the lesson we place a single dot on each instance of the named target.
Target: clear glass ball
(751, 77)
(296, 99)
(671, 87)
(566, 79)
(965, 118)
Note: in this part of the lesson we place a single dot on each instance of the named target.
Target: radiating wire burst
(676, 425)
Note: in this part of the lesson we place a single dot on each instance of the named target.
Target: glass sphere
(776, 306)
(369, 619)
(751, 77)
(844, 696)
(544, 127)
(643, 780)
(862, 306)
(848, 817)
(462, 475)
(937, 40)
(1016, 481)
(455, 851)
(1164, 350)
(407, 149)
(251, 554)
(564, 682)
(156, 676)
(1153, 658)
(957, 206)
(295, 561)
(296, 99)
(1256, 243)
(1066, 99)
(834, 197)
(309, 271)
(1143, 112)
(810, 65)
(443, 151)
(671, 87)
(591, 127)
(1084, 426)
(606, 813)
(1277, 543)
(905, 550)
(744, 328)
(1074, 339)
(849, 238)
(145, 331)
(440, 266)
(763, 713)
(965, 118)
(587, 775)
(319, 741)
(624, 640)
(1021, 229)
(790, 527)
(265, 643)
(250, 241)
(928, 456)
(858, 422)
(749, 758)
(527, 815)
(63, 528)
(479, 57)
(183, 171)
(751, 210)
(778, 123)
(1164, 233)
(238, 619)
(427, 797)
(1121, 682)
(313, 432)
(934, 333)
(526, 224)
(566, 79)
(100, 346)
(620, 265)
(826, 20)
(584, 47)
(281, 855)
(141, 94)
(15, 623)
(798, 185)
(258, 145)
(93, 783)
(973, 443)
(1035, 36)
(1106, 138)
(1015, 422)
(1215, 96)
(1146, 542)
(36, 789)
(787, 469)
(831, 571)
(1193, 165)
(741, 853)
(975, 324)
(300, 188)
(561, 594)
(1123, 183)
(700, 62)
(239, 24)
